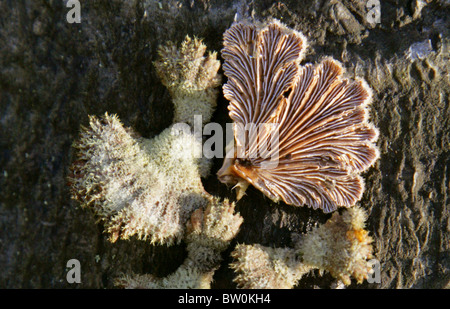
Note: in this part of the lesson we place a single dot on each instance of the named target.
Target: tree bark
(53, 74)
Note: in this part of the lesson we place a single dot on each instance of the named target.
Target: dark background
(54, 74)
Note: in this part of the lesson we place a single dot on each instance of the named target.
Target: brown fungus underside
(324, 138)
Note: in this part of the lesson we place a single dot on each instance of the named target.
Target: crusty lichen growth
(260, 267)
(184, 277)
(152, 188)
(341, 246)
(143, 187)
(191, 78)
(147, 188)
(209, 232)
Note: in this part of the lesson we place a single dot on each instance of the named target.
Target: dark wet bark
(54, 74)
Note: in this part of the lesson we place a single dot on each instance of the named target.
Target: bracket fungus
(320, 119)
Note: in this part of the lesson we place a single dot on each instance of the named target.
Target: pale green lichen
(209, 232)
(150, 187)
(191, 78)
(341, 246)
(147, 188)
(260, 267)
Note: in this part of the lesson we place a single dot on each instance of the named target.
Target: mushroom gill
(318, 118)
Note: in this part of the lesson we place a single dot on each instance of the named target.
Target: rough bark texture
(54, 74)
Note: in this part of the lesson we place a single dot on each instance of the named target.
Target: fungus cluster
(341, 246)
(138, 186)
(209, 232)
(152, 189)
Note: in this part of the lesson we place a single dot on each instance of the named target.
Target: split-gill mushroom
(320, 119)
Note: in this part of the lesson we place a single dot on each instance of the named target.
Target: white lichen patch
(341, 246)
(137, 186)
(260, 267)
(149, 188)
(419, 50)
(191, 78)
(209, 232)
